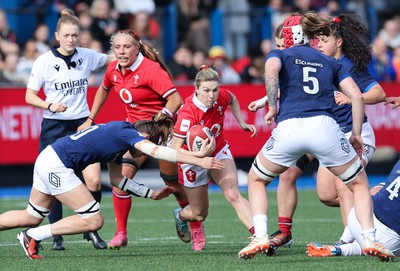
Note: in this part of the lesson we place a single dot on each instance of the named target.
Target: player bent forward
(54, 177)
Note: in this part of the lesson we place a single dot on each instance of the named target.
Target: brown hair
(160, 129)
(278, 31)
(205, 74)
(145, 48)
(67, 17)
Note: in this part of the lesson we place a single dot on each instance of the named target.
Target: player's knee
(330, 202)
(232, 196)
(289, 177)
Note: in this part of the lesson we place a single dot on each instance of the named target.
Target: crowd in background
(240, 57)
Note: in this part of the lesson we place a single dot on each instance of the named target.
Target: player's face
(279, 43)
(67, 36)
(208, 92)
(329, 45)
(125, 51)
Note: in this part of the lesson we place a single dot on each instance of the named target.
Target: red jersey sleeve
(107, 78)
(159, 80)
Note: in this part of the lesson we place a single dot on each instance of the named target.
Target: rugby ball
(196, 136)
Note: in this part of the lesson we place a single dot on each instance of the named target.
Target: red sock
(285, 224)
(183, 204)
(122, 207)
(195, 225)
(251, 230)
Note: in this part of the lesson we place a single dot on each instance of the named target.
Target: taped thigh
(351, 172)
(88, 210)
(262, 172)
(37, 211)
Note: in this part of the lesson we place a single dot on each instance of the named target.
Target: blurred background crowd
(233, 35)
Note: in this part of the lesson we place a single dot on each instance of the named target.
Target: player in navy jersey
(306, 124)
(386, 218)
(63, 74)
(55, 178)
(348, 43)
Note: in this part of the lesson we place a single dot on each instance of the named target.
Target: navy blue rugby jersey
(98, 143)
(307, 82)
(387, 201)
(364, 81)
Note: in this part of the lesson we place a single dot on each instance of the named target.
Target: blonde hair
(145, 48)
(67, 17)
(206, 74)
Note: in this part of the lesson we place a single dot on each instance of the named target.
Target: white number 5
(313, 80)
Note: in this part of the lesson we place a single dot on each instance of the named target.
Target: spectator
(193, 25)
(236, 27)
(104, 25)
(390, 33)
(396, 63)
(181, 65)
(381, 66)
(9, 72)
(199, 58)
(5, 32)
(86, 20)
(25, 62)
(220, 63)
(145, 26)
(41, 36)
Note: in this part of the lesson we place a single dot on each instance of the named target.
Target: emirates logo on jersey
(136, 77)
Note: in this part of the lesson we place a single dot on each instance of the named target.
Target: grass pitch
(153, 244)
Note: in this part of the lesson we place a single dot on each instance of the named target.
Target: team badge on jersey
(136, 77)
(54, 180)
(270, 144)
(345, 145)
(191, 175)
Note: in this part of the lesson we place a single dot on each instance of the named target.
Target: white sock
(352, 249)
(40, 233)
(346, 235)
(260, 225)
(369, 234)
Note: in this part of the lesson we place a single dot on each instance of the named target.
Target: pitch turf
(153, 244)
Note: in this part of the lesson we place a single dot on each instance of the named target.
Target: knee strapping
(131, 162)
(262, 171)
(351, 172)
(169, 178)
(37, 211)
(88, 210)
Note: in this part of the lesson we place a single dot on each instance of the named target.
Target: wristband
(48, 108)
(90, 118)
(168, 112)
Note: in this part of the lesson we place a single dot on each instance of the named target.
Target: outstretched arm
(172, 155)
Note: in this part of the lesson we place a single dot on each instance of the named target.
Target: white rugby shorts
(384, 235)
(50, 176)
(320, 136)
(368, 137)
(195, 176)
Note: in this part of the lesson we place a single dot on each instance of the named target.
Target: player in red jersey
(144, 86)
(207, 107)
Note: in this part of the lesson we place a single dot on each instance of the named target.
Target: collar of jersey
(67, 59)
(200, 105)
(135, 64)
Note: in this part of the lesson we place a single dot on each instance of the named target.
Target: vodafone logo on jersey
(126, 97)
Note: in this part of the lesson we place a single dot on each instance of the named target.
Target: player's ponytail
(160, 129)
